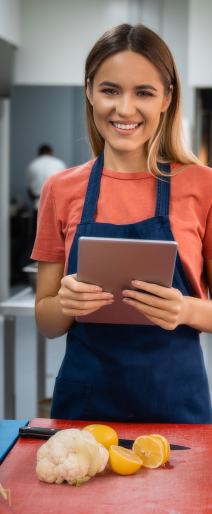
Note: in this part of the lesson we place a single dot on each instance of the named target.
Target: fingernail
(135, 283)
(126, 300)
(125, 293)
(110, 301)
(98, 289)
(109, 296)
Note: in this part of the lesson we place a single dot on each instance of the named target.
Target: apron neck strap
(92, 192)
(163, 190)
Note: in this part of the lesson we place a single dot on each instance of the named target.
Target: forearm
(199, 314)
(51, 321)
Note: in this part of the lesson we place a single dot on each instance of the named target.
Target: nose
(126, 107)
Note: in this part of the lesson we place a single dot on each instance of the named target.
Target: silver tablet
(113, 263)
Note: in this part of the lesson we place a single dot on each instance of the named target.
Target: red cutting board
(182, 485)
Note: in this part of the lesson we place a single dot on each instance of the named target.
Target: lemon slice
(150, 450)
(123, 461)
(166, 446)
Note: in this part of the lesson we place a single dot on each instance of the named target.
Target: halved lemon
(123, 461)
(150, 450)
(103, 434)
(166, 446)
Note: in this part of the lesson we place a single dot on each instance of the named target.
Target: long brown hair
(168, 143)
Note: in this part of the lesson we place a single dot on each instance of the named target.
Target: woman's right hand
(80, 299)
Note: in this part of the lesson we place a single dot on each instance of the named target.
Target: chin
(124, 147)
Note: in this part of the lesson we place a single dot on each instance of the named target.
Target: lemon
(123, 461)
(150, 449)
(103, 434)
(166, 446)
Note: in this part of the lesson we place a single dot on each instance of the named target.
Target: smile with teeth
(125, 127)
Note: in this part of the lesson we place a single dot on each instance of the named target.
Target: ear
(89, 92)
(167, 99)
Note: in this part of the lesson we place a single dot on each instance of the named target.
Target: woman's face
(127, 98)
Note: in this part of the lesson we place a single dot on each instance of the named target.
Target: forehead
(128, 68)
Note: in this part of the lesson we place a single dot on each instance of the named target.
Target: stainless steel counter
(21, 304)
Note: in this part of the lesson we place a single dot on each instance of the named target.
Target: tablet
(113, 263)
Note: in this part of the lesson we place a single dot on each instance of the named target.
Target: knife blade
(46, 433)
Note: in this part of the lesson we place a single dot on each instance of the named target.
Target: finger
(80, 312)
(162, 323)
(162, 292)
(68, 294)
(77, 305)
(149, 311)
(145, 298)
(72, 283)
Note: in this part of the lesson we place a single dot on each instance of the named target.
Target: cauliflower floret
(42, 452)
(71, 455)
(103, 459)
(71, 470)
(45, 471)
(57, 452)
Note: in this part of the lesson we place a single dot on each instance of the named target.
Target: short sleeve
(207, 241)
(49, 243)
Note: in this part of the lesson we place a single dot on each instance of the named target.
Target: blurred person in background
(37, 172)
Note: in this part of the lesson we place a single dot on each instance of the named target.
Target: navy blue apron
(131, 373)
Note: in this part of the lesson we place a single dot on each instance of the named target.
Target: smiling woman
(127, 108)
(166, 142)
(143, 184)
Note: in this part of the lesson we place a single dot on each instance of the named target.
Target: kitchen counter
(183, 485)
(21, 304)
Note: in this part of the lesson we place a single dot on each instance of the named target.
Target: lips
(125, 128)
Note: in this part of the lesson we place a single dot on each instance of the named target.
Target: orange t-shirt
(126, 198)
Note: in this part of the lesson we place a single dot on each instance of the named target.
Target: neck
(125, 162)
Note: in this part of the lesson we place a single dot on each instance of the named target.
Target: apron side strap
(92, 192)
(163, 190)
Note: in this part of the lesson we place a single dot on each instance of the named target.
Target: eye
(144, 93)
(109, 91)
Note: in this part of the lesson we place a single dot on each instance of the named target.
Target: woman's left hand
(167, 308)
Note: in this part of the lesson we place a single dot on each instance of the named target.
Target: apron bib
(131, 373)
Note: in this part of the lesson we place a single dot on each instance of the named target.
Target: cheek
(151, 115)
(102, 109)
(151, 110)
(99, 117)
(101, 114)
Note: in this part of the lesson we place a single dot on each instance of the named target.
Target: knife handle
(39, 433)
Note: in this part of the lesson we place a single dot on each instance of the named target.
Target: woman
(144, 184)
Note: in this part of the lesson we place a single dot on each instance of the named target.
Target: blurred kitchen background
(43, 46)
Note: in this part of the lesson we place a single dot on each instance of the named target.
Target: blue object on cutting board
(9, 433)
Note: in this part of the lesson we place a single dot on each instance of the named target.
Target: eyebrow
(142, 86)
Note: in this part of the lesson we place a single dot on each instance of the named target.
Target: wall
(45, 114)
(170, 20)
(200, 43)
(56, 37)
(10, 21)
(4, 197)
(9, 38)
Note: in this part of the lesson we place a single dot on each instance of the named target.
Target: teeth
(125, 127)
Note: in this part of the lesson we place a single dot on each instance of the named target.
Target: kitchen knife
(46, 433)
